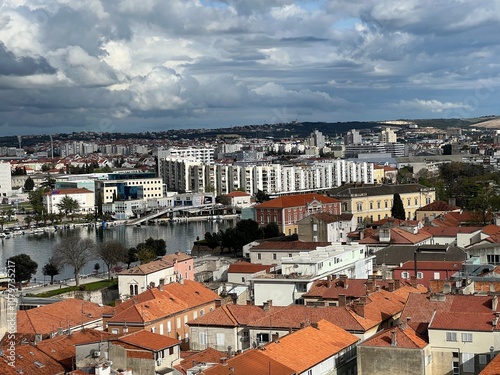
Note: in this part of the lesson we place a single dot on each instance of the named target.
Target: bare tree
(74, 252)
(112, 253)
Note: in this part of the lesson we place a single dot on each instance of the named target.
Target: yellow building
(375, 202)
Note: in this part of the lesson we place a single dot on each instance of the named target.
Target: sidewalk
(36, 288)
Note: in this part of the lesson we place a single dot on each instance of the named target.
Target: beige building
(375, 202)
(84, 197)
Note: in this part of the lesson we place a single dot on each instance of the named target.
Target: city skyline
(153, 66)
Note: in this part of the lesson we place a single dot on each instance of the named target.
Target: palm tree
(68, 205)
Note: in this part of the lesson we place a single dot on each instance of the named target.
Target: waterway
(178, 236)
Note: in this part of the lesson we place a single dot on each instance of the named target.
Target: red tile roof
(30, 360)
(232, 315)
(405, 338)
(438, 206)
(315, 345)
(247, 267)
(431, 265)
(69, 191)
(450, 231)
(147, 268)
(493, 368)
(299, 200)
(330, 218)
(208, 355)
(251, 362)
(399, 237)
(65, 313)
(148, 340)
(237, 194)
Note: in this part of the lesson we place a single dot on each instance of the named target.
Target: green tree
(398, 210)
(158, 246)
(3, 221)
(145, 254)
(51, 268)
(68, 205)
(112, 253)
(29, 184)
(24, 267)
(75, 252)
(212, 240)
(261, 196)
(272, 230)
(131, 256)
(223, 199)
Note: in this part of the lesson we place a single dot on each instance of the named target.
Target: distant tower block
(19, 140)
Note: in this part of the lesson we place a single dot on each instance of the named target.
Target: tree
(145, 254)
(3, 221)
(112, 253)
(131, 256)
(212, 240)
(271, 230)
(68, 205)
(398, 210)
(261, 196)
(159, 246)
(97, 267)
(24, 267)
(74, 252)
(223, 199)
(51, 268)
(29, 184)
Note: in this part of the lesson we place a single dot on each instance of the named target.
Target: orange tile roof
(399, 236)
(315, 345)
(30, 360)
(298, 200)
(382, 305)
(208, 355)
(405, 338)
(231, 315)
(148, 340)
(68, 312)
(438, 206)
(155, 304)
(450, 231)
(69, 191)
(463, 321)
(247, 267)
(147, 268)
(176, 257)
(62, 348)
(251, 362)
(237, 194)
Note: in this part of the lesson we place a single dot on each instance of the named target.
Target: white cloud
(434, 106)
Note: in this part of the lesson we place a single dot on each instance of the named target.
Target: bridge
(168, 210)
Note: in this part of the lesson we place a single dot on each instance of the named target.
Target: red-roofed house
(170, 268)
(27, 360)
(241, 272)
(325, 227)
(427, 270)
(239, 199)
(288, 210)
(432, 210)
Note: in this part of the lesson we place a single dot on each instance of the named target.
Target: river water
(178, 236)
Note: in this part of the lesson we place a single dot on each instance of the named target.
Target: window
(466, 337)
(195, 314)
(185, 319)
(114, 331)
(220, 339)
(416, 201)
(178, 322)
(153, 329)
(493, 259)
(259, 256)
(262, 337)
(274, 256)
(468, 362)
(359, 206)
(405, 275)
(161, 329)
(371, 205)
(203, 338)
(436, 275)
(378, 204)
(202, 312)
(409, 202)
(169, 326)
(420, 275)
(451, 336)
(483, 359)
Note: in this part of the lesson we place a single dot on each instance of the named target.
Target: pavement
(37, 287)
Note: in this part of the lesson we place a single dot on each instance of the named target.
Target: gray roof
(349, 191)
(394, 255)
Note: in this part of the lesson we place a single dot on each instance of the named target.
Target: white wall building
(84, 197)
(202, 154)
(5, 179)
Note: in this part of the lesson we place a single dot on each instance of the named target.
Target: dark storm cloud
(10, 65)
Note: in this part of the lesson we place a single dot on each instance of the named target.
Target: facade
(431, 211)
(84, 197)
(375, 202)
(169, 269)
(325, 227)
(202, 154)
(127, 186)
(287, 211)
(427, 271)
(240, 199)
(5, 179)
(299, 272)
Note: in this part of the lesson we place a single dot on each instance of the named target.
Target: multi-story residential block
(5, 179)
(124, 186)
(288, 210)
(325, 227)
(201, 154)
(375, 202)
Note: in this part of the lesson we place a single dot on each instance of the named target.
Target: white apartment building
(202, 154)
(387, 135)
(5, 179)
(300, 271)
(84, 197)
(125, 189)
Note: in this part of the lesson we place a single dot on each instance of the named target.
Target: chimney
(160, 287)
(446, 287)
(393, 338)
(494, 303)
(397, 284)
(342, 300)
(59, 331)
(249, 302)
(302, 324)
(343, 278)
(359, 308)
(414, 282)
(181, 281)
(369, 285)
(314, 325)
(218, 303)
(329, 281)
(275, 337)
(391, 286)
(229, 351)
(223, 361)
(377, 287)
(265, 306)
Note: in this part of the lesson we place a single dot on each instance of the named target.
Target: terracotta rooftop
(394, 222)
(493, 368)
(176, 257)
(399, 236)
(69, 191)
(455, 219)
(405, 338)
(251, 362)
(154, 303)
(237, 193)
(62, 348)
(247, 267)
(208, 355)
(298, 200)
(64, 314)
(431, 265)
(438, 206)
(232, 315)
(148, 268)
(450, 231)
(148, 340)
(315, 345)
(330, 218)
(30, 360)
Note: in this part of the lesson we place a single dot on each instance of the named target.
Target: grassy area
(86, 287)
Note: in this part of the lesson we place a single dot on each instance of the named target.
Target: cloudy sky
(139, 65)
